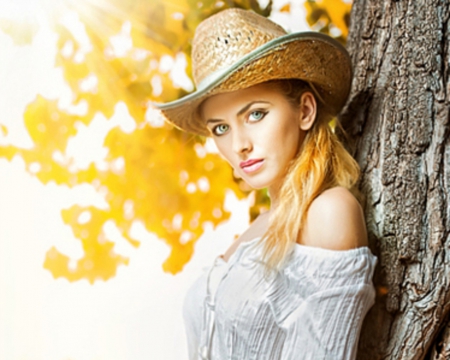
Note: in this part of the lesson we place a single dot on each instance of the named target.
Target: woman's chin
(257, 185)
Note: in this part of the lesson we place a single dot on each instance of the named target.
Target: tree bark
(398, 120)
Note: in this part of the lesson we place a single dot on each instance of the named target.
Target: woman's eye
(220, 129)
(257, 115)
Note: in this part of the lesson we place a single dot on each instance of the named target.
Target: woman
(298, 283)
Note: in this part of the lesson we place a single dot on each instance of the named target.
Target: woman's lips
(252, 165)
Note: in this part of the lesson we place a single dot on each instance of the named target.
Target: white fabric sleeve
(328, 324)
(322, 302)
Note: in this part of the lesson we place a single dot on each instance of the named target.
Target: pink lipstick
(251, 165)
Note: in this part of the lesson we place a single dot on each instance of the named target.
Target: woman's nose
(241, 142)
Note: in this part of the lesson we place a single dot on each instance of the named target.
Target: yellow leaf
(286, 8)
(338, 10)
(4, 130)
(322, 14)
(20, 31)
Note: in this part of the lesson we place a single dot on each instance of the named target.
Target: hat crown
(224, 38)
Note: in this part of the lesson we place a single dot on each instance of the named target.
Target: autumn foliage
(154, 173)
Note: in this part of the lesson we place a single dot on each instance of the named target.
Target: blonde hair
(322, 162)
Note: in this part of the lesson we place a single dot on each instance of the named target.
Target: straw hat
(236, 48)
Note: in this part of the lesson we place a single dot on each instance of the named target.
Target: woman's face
(258, 131)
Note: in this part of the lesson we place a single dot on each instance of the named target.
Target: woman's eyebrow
(213, 121)
(243, 110)
(246, 107)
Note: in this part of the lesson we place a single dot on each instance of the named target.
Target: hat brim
(310, 56)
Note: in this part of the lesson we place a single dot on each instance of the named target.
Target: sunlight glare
(122, 43)
(19, 9)
(154, 117)
(86, 146)
(178, 73)
(71, 20)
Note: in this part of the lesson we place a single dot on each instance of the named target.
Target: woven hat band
(224, 38)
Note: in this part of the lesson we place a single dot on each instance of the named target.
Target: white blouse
(312, 309)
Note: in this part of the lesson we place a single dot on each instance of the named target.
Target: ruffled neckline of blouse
(316, 261)
(303, 249)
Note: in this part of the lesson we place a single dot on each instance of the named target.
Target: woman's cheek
(224, 153)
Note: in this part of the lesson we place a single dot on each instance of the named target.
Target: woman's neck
(274, 192)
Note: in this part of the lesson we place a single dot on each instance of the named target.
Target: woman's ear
(308, 110)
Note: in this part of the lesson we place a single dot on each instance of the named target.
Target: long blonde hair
(322, 162)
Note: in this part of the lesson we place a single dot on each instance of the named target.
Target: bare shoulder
(335, 221)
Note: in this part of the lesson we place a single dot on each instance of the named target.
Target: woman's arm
(327, 324)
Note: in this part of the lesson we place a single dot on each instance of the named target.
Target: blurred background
(108, 214)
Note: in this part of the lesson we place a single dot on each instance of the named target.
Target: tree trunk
(398, 121)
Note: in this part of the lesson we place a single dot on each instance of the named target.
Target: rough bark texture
(398, 119)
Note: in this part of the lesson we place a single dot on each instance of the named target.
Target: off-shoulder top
(312, 309)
